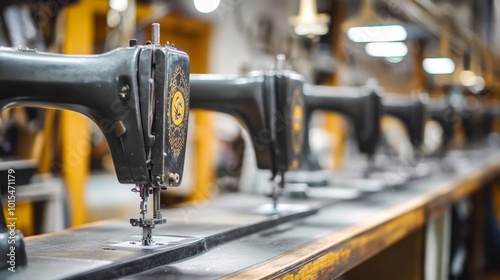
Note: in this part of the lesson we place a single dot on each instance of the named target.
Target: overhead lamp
(206, 6)
(386, 49)
(396, 59)
(467, 78)
(377, 33)
(478, 85)
(475, 81)
(439, 65)
(308, 22)
(368, 26)
(470, 79)
(118, 5)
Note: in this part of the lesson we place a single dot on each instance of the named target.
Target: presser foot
(275, 195)
(148, 223)
(147, 228)
(278, 187)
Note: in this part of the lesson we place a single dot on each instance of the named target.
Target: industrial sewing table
(223, 239)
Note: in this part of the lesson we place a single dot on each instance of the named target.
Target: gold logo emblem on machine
(179, 110)
(297, 119)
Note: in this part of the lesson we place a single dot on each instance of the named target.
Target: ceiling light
(396, 59)
(386, 49)
(206, 6)
(377, 33)
(311, 29)
(467, 78)
(478, 85)
(308, 22)
(442, 65)
(118, 5)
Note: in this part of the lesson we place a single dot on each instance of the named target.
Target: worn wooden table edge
(338, 252)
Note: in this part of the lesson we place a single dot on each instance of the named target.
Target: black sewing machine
(475, 116)
(139, 98)
(477, 123)
(270, 104)
(413, 113)
(444, 113)
(363, 107)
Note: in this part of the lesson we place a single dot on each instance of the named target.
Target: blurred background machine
(362, 107)
(271, 106)
(445, 52)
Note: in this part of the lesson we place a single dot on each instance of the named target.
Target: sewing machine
(443, 112)
(270, 104)
(413, 113)
(475, 116)
(363, 107)
(139, 98)
(476, 123)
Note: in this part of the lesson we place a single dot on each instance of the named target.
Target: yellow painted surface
(75, 135)
(74, 128)
(204, 147)
(496, 125)
(336, 126)
(30, 145)
(47, 154)
(24, 215)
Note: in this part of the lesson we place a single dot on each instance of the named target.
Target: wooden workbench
(343, 237)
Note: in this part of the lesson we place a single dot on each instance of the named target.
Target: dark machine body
(477, 122)
(138, 96)
(442, 112)
(412, 113)
(114, 91)
(269, 104)
(361, 105)
(475, 116)
(493, 112)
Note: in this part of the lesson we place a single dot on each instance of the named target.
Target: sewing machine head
(361, 105)
(476, 120)
(475, 116)
(269, 104)
(138, 96)
(442, 112)
(412, 112)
